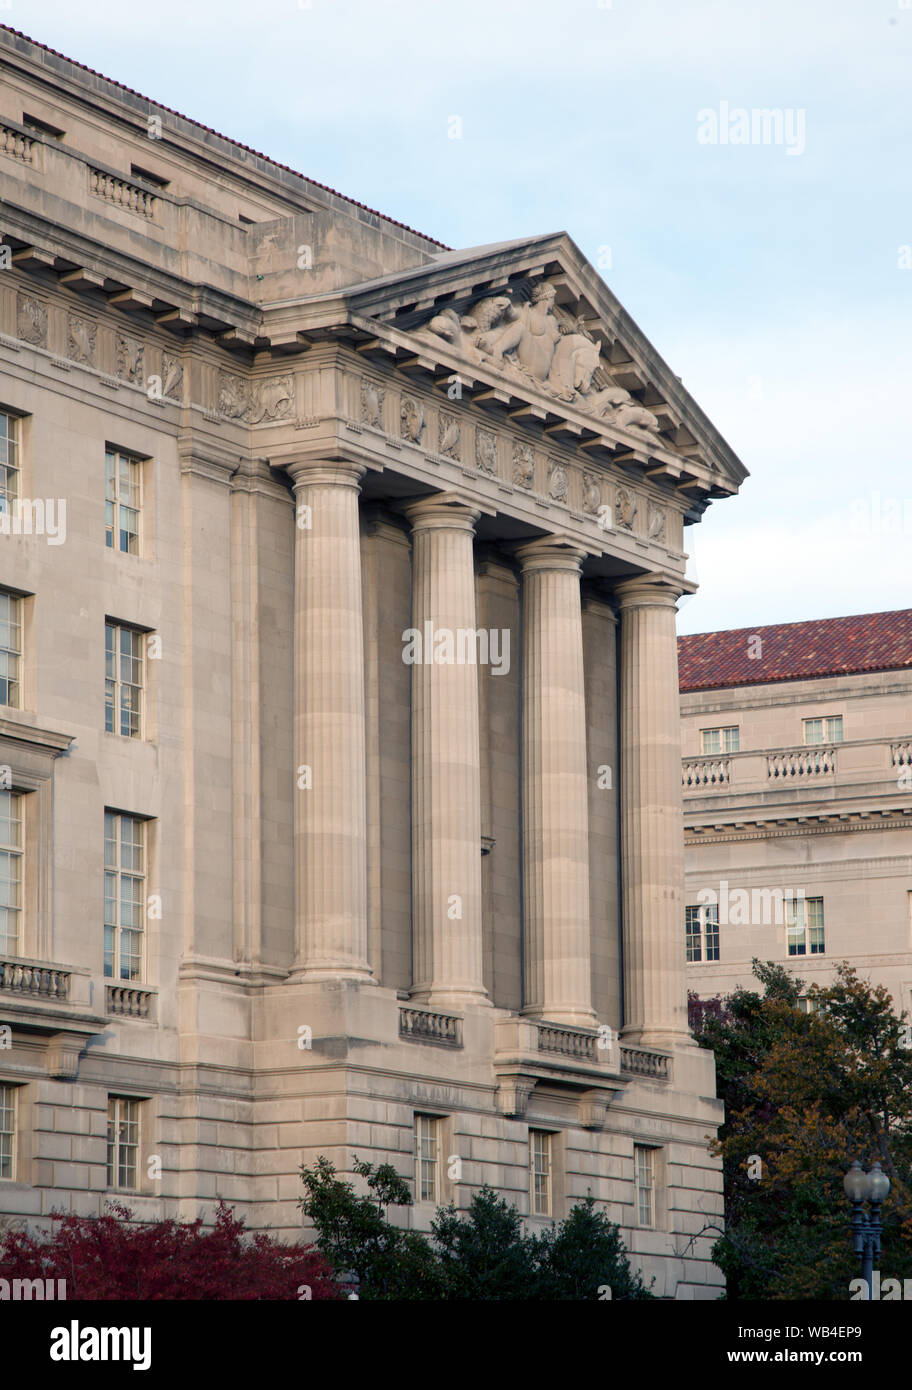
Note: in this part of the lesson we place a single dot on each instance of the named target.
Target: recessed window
(123, 501)
(701, 932)
(41, 127)
(427, 1158)
(147, 176)
(7, 1132)
(10, 649)
(11, 876)
(540, 1172)
(726, 740)
(123, 680)
(644, 1162)
(124, 895)
(824, 730)
(804, 926)
(123, 1142)
(9, 456)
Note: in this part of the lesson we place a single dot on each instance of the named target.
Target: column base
(569, 1018)
(303, 974)
(451, 1000)
(662, 1039)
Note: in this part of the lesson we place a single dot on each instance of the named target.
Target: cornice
(778, 828)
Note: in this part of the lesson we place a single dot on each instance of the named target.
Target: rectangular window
(804, 926)
(701, 932)
(123, 1141)
(727, 740)
(539, 1172)
(644, 1164)
(123, 501)
(123, 680)
(125, 896)
(10, 649)
(9, 456)
(427, 1157)
(41, 127)
(7, 1132)
(11, 876)
(147, 176)
(828, 730)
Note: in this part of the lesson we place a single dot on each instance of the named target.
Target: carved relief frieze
(372, 397)
(82, 339)
(411, 419)
(448, 435)
(172, 374)
(32, 320)
(255, 402)
(625, 508)
(592, 494)
(523, 464)
(558, 482)
(485, 451)
(130, 353)
(655, 523)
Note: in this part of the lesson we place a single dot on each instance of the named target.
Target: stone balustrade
(122, 1001)
(641, 1061)
(16, 145)
(33, 981)
(128, 196)
(426, 1025)
(705, 772)
(567, 1042)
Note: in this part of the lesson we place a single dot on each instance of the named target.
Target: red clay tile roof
(796, 651)
(17, 33)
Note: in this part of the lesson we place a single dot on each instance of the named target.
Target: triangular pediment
(531, 328)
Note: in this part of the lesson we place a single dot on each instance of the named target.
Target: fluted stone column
(652, 835)
(555, 792)
(447, 966)
(329, 731)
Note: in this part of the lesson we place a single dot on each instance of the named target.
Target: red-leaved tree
(115, 1257)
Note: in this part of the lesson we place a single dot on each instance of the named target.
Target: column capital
(650, 591)
(342, 473)
(551, 553)
(442, 511)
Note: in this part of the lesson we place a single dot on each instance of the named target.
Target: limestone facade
(381, 773)
(815, 802)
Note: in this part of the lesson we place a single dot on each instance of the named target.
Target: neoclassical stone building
(797, 777)
(340, 725)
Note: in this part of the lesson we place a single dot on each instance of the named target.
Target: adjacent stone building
(340, 724)
(797, 776)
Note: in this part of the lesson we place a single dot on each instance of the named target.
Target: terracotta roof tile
(16, 33)
(796, 651)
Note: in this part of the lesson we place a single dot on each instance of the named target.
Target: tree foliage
(806, 1093)
(481, 1254)
(113, 1257)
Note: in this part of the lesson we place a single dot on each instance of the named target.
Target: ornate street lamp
(871, 1187)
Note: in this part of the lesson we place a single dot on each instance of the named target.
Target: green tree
(805, 1093)
(484, 1255)
(583, 1256)
(481, 1254)
(355, 1234)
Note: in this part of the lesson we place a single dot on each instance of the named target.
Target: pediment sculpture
(527, 340)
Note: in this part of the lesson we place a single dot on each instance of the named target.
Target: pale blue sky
(771, 282)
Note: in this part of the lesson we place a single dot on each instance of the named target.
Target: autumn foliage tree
(806, 1093)
(114, 1257)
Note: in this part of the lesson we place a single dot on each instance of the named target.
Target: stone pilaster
(329, 727)
(652, 839)
(446, 777)
(555, 791)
